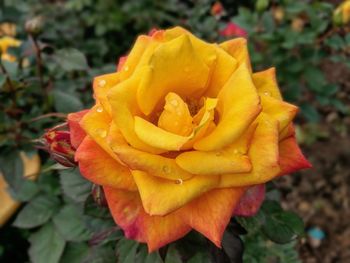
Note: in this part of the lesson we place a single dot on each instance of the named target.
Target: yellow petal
(101, 85)
(263, 154)
(160, 196)
(176, 117)
(154, 164)
(238, 106)
(185, 75)
(222, 70)
(239, 50)
(96, 124)
(124, 107)
(157, 137)
(266, 83)
(281, 111)
(232, 159)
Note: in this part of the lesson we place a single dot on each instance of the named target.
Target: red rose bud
(233, 30)
(217, 9)
(98, 195)
(57, 143)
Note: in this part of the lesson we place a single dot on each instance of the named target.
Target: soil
(321, 195)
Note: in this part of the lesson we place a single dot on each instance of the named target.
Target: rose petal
(266, 83)
(238, 48)
(187, 74)
(157, 231)
(77, 134)
(100, 168)
(263, 153)
(154, 164)
(236, 99)
(160, 196)
(251, 201)
(101, 85)
(281, 111)
(124, 107)
(210, 213)
(291, 157)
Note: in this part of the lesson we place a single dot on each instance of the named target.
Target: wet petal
(100, 168)
(264, 156)
(160, 196)
(238, 98)
(187, 75)
(266, 83)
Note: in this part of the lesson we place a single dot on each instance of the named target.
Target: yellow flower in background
(6, 43)
(341, 15)
(7, 29)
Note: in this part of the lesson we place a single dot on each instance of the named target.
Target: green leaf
(126, 250)
(75, 253)
(173, 255)
(282, 227)
(37, 212)
(46, 245)
(2, 79)
(71, 59)
(11, 68)
(70, 224)
(144, 257)
(315, 78)
(310, 113)
(74, 185)
(200, 258)
(66, 102)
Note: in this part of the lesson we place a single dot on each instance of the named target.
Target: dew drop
(126, 68)
(101, 132)
(174, 102)
(99, 109)
(179, 181)
(166, 169)
(267, 93)
(235, 151)
(101, 83)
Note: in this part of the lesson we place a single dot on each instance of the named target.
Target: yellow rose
(180, 132)
(341, 15)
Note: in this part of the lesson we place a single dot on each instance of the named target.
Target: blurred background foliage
(52, 49)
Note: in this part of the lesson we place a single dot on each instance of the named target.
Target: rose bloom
(183, 136)
(233, 30)
(6, 43)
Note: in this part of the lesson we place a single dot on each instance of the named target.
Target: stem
(39, 62)
(49, 115)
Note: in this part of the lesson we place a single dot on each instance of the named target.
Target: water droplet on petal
(267, 93)
(174, 103)
(99, 109)
(235, 151)
(101, 83)
(166, 169)
(179, 181)
(101, 132)
(126, 68)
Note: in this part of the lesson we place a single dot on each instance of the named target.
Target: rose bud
(233, 30)
(98, 195)
(341, 15)
(34, 26)
(58, 144)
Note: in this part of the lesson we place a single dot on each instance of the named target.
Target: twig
(9, 83)
(39, 62)
(49, 115)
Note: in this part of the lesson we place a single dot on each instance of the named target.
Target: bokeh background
(51, 50)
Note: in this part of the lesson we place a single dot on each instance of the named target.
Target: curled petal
(236, 99)
(238, 48)
(264, 156)
(186, 75)
(266, 83)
